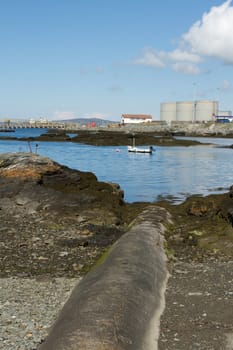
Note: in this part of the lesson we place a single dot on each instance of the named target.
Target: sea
(171, 173)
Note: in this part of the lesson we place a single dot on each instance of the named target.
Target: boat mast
(133, 140)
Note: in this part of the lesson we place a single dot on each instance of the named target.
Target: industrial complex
(196, 111)
(193, 111)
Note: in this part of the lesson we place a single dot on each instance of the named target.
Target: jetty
(35, 124)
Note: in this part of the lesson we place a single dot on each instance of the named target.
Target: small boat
(140, 150)
(135, 149)
(7, 130)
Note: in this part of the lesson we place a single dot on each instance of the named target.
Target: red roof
(137, 116)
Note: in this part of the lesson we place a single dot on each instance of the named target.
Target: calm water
(175, 172)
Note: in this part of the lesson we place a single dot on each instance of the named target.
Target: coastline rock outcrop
(55, 219)
(28, 175)
(203, 227)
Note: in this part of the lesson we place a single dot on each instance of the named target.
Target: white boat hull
(140, 150)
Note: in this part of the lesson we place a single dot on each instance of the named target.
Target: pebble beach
(28, 307)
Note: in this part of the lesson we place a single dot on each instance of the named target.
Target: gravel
(28, 307)
(199, 305)
(198, 313)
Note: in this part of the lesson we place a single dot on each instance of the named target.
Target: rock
(202, 207)
(198, 209)
(26, 166)
(30, 177)
(230, 215)
(21, 200)
(231, 192)
(53, 217)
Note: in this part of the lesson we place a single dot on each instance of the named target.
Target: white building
(36, 122)
(135, 118)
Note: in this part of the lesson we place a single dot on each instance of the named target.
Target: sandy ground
(199, 307)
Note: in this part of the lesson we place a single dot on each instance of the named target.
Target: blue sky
(102, 58)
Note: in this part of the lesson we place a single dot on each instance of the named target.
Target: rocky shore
(54, 219)
(56, 223)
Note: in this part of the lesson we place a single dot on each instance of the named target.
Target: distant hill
(84, 121)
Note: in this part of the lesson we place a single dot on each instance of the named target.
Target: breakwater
(185, 128)
(36, 125)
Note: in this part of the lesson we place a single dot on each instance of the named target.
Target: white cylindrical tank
(205, 110)
(184, 111)
(168, 111)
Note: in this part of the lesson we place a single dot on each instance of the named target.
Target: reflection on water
(171, 172)
(213, 140)
(25, 132)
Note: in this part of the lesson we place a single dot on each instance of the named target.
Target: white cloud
(209, 37)
(186, 68)
(151, 58)
(183, 56)
(179, 60)
(212, 35)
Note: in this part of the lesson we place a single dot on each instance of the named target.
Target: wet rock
(124, 137)
(231, 192)
(25, 166)
(202, 229)
(198, 210)
(47, 209)
(200, 207)
(230, 215)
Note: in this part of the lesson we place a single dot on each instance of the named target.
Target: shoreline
(44, 243)
(154, 133)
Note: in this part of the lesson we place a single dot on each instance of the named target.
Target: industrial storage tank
(188, 111)
(184, 111)
(205, 110)
(168, 111)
